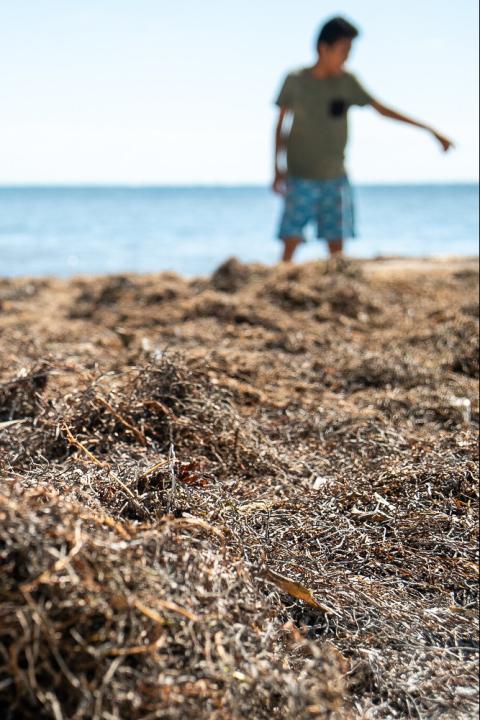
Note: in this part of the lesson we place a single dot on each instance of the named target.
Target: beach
(252, 493)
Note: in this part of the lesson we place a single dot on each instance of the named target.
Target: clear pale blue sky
(149, 91)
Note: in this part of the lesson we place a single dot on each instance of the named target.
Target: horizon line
(211, 185)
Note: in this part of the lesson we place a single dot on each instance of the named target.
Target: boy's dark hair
(336, 29)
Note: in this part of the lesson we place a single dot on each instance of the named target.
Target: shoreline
(383, 263)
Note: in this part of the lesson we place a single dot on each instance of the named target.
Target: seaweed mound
(89, 638)
(254, 494)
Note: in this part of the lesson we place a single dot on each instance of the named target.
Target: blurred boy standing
(314, 102)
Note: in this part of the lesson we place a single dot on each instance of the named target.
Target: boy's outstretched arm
(278, 184)
(388, 112)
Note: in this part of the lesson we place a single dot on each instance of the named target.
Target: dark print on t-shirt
(338, 107)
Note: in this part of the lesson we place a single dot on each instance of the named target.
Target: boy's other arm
(280, 174)
(388, 112)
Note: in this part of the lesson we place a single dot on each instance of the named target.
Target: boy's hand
(444, 142)
(388, 112)
(279, 184)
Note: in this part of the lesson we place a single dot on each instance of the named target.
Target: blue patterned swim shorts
(327, 203)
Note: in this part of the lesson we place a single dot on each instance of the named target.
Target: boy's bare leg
(335, 247)
(290, 244)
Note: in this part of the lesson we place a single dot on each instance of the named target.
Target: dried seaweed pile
(248, 495)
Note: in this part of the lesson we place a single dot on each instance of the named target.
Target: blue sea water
(70, 230)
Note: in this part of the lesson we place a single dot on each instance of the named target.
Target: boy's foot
(343, 265)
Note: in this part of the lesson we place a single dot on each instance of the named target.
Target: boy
(316, 101)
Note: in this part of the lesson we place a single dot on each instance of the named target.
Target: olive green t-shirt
(318, 136)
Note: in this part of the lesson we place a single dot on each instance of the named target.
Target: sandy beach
(253, 494)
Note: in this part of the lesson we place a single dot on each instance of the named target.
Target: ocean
(65, 231)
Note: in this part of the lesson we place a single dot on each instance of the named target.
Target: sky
(154, 92)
